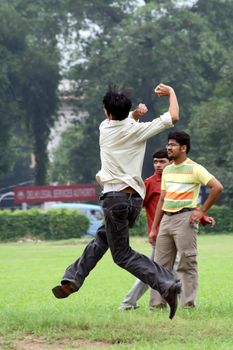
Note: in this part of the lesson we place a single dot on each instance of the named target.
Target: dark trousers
(121, 210)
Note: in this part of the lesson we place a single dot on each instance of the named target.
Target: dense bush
(62, 223)
(53, 224)
(222, 214)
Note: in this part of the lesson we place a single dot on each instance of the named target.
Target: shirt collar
(157, 176)
(119, 122)
(177, 165)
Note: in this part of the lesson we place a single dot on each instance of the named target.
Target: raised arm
(166, 90)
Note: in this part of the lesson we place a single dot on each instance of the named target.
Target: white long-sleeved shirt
(122, 150)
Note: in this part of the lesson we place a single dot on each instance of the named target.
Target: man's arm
(157, 219)
(215, 189)
(166, 90)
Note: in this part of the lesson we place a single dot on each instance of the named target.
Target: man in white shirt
(122, 149)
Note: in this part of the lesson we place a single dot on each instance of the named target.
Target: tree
(138, 49)
(12, 46)
(38, 90)
(211, 130)
(30, 75)
(71, 156)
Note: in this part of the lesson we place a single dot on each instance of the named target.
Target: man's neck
(158, 176)
(180, 159)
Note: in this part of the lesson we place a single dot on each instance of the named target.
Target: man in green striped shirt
(181, 182)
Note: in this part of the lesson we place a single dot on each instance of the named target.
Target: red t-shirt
(153, 190)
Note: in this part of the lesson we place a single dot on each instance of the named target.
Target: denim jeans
(121, 212)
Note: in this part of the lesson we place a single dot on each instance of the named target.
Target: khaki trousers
(176, 234)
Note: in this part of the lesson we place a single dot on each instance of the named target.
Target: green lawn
(31, 318)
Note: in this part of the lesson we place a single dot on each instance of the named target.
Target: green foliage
(65, 224)
(185, 46)
(29, 76)
(211, 130)
(131, 45)
(222, 215)
(39, 99)
(50, 225)
(12, 46)
(69, 165)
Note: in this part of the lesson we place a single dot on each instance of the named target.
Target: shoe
(64, 290)
(128, 307)
(171, 298)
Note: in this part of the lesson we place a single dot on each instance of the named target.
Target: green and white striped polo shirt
(182, 184)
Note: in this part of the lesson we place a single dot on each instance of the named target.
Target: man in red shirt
(153, 185)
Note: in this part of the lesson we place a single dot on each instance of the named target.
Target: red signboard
(63, 193)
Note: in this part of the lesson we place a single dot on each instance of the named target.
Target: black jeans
(121, 211)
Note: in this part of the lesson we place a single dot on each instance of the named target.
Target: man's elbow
(175, 118)
(220, 187)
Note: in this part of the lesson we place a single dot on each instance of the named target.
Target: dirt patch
(36, 343)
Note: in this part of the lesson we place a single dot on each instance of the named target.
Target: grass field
(32, 319)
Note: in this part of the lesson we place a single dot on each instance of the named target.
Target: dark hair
(160, 153)
(181, 137)
(117, 104)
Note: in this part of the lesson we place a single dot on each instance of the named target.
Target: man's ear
(183, 148)
(108, 116)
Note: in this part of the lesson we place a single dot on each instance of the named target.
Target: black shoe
(171, 298)
(64, 290)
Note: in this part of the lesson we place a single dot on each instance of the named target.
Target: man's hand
(139, 111)
(153, 235)
(208, 220)
(163, 90)
(196, 216)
